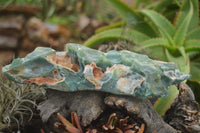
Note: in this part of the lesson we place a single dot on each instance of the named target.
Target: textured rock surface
(141, 108)
(184, 114)
(91, 107)
(81, 68)
(88, 105)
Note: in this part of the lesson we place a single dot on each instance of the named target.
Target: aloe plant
(179, 39)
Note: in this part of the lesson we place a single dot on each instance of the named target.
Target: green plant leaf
(192, 45)
(7, 2)
(194, 81)
(51, 10)
(161, 22)
(170, 13)
(195, 71)
(167, 36)
(182, 51)
(157, 53)
(132, 18)
(195, 17)
(183, 65)
(185, 8)
(178, 2)
(155, 42)
(136, 4)
(193, 54)
(126, 12)
(180, 34)
(111, 26)
(162, 5)
(132, 36)
(194, 34)
(164, 103)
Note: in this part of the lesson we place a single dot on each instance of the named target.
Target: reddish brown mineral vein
(45, 80)
(63, 60)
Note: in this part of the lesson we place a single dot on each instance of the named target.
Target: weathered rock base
(90, 105)
(184, 114)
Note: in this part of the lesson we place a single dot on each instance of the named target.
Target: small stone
(36, 30)
(83, 22)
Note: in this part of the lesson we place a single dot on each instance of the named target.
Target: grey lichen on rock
(81, 68)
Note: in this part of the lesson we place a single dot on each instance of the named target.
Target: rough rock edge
(184, 113)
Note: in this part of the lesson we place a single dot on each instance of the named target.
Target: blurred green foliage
(47, 6)
(20, 2)
(158, 29)
(66, 11)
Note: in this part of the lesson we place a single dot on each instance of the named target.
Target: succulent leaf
(132, 18)
(182, 51)
(194, 34)
(192, 45)
(111, 26)
(164, 103)
(129, 35)
(184, 65)
(155, 42)
(162, 4)
(185, 8)
(180, 34)
(161, 22)
(195, 70)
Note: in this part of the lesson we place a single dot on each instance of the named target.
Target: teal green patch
(81, 68)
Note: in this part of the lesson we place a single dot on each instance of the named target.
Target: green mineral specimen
(80, 68)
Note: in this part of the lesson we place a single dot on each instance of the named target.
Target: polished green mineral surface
(81, 68)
